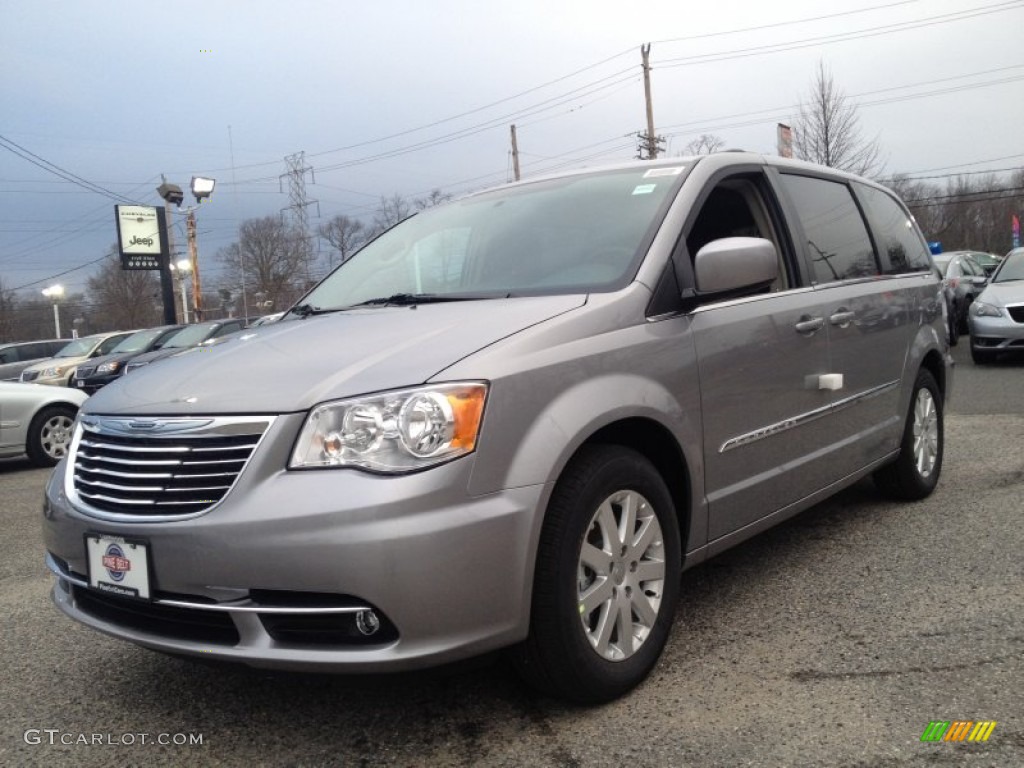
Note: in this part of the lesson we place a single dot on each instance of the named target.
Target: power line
(792, 45)
(56, 170)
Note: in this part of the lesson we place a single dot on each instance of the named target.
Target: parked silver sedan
(37, 420)
(997, 315)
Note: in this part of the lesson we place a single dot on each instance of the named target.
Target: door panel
(767, 424)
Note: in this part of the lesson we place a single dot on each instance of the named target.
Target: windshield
(190, 336)
(1012, 268)
(78, 347)
(571, 235)
(138, 341)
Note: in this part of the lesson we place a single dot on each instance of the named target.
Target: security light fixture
(171, 193)
(202, 187)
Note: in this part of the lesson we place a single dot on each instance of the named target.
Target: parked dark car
(17, 356)
(97, 373)
(189, 336)
(964, 278)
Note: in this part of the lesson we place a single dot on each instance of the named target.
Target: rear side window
(901, 247)
(837, 244)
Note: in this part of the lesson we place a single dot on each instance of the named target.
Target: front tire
(915, 473)
(607, 578)
(49, 435)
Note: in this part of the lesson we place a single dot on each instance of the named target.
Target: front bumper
(94, 384)
(996, 334)
(450, 574)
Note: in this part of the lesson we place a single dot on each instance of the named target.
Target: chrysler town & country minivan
(511, 422)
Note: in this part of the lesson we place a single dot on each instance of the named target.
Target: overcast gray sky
(406, 96)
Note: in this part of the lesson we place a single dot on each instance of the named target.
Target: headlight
(110, 367)
(985, 310)
(397, 431)
(57, 370)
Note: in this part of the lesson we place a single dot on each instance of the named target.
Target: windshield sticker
(655, 172)
(644, 189)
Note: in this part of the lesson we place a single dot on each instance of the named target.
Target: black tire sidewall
(924, 485)
(34, 441)
(594, 476)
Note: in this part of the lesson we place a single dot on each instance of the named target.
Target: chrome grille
(29, 375)
(159, 467)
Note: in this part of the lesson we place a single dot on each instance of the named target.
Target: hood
(158, 354)
(1001, 294)
(64, 362)
(291, 366)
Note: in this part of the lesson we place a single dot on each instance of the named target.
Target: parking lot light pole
(55, 292)
(182, 268)
(202, 189)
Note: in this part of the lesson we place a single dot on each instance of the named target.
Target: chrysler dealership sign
(138, 236)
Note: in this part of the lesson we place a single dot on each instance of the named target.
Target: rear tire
(607, 578)
(49, 435)
(915, 473)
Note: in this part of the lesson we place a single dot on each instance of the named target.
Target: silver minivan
(511, 422)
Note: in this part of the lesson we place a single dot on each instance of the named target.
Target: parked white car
(37, 421)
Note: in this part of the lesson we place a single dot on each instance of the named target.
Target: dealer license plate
(118, 566)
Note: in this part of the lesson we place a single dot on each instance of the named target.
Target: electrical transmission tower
(298, 213)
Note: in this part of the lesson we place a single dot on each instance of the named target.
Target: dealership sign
(138, 236)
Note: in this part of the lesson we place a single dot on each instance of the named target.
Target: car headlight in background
(396, 431)
(57, 370)
(110, 367)
(982, 309)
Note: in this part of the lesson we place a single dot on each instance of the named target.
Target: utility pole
(193, 255)
(650, 139)
(515, 153)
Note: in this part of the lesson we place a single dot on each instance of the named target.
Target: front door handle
(807, 324)
(842, 318)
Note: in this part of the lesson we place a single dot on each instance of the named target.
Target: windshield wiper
(411, 299)
(305, 310)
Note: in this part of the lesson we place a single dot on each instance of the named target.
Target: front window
(77, 348)
(138, 341)
(571, 235)
(1011, 269)
(190, 336)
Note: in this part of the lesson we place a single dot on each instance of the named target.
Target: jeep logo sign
(138, 236)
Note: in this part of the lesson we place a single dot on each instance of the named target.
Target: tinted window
(571, 235)
(837, 240)
(108, 346)
(900, 244)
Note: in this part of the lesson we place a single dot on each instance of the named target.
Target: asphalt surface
(832, 640)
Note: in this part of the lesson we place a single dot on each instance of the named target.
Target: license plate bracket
(118, 565)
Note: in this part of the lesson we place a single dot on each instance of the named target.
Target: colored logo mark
(958, 730)
(116, 563)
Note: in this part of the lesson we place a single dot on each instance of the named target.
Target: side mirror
(735, 264)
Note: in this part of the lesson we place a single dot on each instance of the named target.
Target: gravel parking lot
(831, 640)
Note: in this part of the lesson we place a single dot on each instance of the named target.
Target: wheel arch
(657, 444)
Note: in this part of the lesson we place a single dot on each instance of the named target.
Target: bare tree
(390, 211)
(124, 298)
(968, 212)
(273, 260)
(827, 130)
(704, 144)
(7, 319)
(436, 197)
(346, 236)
